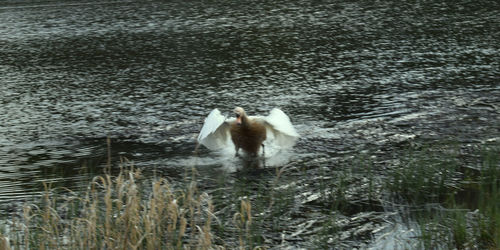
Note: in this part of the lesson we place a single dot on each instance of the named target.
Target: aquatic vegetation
(425, 174)
(439, 193)
(120, 212)
(344, 205)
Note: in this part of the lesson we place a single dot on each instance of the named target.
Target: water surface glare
(356, 77)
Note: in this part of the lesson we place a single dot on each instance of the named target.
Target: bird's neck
(244, 121)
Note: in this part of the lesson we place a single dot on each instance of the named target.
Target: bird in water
(247, 132)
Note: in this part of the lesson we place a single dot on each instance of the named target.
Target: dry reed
(121, 212)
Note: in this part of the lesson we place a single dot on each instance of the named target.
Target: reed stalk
(117, 213)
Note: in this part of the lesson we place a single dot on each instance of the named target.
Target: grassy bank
(455, 206)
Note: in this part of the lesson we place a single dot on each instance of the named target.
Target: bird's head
(239, 112)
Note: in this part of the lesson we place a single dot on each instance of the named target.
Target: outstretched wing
(215, 131)
(282, 129)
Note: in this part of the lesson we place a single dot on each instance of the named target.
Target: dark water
(354, 76)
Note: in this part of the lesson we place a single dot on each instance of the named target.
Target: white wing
(215, 131)
(282, 129)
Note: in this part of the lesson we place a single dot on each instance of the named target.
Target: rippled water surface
(355, 77)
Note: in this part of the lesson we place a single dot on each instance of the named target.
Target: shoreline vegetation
(125, 210)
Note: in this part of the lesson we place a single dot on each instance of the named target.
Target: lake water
(355, 77)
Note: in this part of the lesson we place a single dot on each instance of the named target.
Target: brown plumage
(246, 133)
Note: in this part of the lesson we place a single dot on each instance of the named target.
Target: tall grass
(127, 211)
(489, 200)
(431, 181)
(425, 175)
(122, 212)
